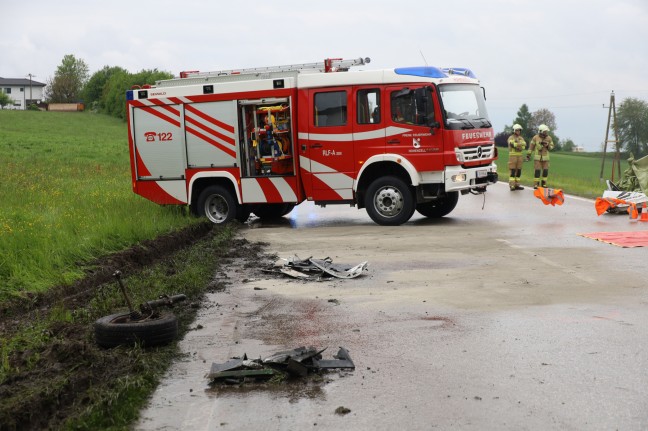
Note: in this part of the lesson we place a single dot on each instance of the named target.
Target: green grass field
(66, 198)
(574, 173)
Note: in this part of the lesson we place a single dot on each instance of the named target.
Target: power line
(549, 96)
(494, 108)
(573, 106)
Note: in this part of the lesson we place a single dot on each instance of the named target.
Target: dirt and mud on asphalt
(499, 316)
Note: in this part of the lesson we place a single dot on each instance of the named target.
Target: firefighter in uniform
(540, 146)
(516, 145)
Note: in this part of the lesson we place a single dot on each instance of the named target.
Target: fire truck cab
(231, 143)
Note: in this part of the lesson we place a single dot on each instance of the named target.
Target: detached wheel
(119, 330)
(389, 201)
(217, 204)
(439, 207)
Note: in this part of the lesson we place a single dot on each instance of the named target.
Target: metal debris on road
(319, 269)
(298, 362)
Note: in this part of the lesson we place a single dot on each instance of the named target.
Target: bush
(113, 99)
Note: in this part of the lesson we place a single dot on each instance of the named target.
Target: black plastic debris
(342, 360)
(319, 269)
(299, 362)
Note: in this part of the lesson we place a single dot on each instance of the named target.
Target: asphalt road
(498, 316)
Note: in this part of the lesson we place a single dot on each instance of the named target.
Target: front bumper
(457, 178)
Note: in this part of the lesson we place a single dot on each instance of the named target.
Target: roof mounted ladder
(328, 65)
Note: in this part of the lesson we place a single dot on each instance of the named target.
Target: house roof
(21, 81)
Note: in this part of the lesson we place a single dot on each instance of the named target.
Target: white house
(23, 91)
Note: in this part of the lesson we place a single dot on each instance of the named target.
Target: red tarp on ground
(621, 239)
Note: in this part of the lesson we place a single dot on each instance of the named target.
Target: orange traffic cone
(644, 213)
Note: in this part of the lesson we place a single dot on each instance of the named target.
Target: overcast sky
(563, 55)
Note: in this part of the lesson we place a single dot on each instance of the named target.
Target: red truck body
(232, 143)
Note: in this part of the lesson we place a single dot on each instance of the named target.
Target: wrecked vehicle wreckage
(298, 363)
(317, 269)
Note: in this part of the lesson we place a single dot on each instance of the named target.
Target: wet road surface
(498, 316)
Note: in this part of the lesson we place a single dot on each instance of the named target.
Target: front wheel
(217, 204)
(440, 207)
(389, 201)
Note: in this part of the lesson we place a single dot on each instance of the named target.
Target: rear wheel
(440, 207)
(389, 201)
(217, 204)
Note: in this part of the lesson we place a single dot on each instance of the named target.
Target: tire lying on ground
(118, 329)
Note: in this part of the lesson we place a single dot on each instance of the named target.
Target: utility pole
(616, 163)
(30, 86)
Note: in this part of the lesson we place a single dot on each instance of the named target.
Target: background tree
(5, 99)
(94, 88)
(568, 145)
(68, 82)
(546, 117)
(542, 116)
(113, 97)
(501, 139)
(632, 125)
(523, 119)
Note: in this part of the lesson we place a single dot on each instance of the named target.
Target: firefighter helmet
(543, 129)
(517, 127)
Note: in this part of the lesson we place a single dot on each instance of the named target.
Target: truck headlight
(459, 178)
(459, 155)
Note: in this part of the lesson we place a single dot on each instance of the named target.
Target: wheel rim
(388, 201)
(216, 208)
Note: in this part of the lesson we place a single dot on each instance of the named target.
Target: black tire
(119, 330)
(439, 207)
(217, 204)
(389, 201)
(288, 208)
(243, 213)
(272, 211)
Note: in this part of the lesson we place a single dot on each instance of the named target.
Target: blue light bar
(459, 71)
(129, 95)
(426, 72)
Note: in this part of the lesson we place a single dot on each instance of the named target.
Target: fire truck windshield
(463, 106)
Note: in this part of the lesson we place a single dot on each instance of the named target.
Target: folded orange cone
(644, 213)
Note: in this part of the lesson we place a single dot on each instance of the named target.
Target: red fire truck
(263, 140)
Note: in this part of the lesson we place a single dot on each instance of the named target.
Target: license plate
(482, 174)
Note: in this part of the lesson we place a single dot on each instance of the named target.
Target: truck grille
(471, 154)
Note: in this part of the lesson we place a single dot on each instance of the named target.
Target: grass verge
(575, 173)
(54, 376)
(66, 198)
